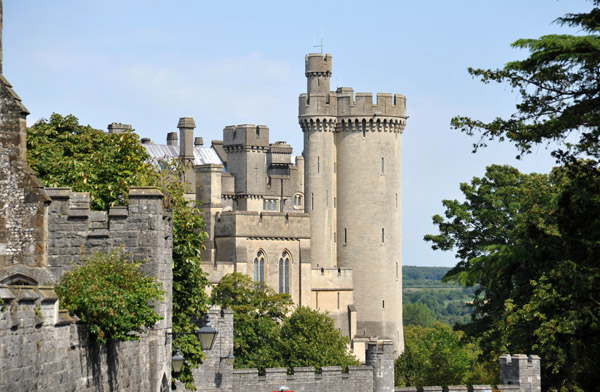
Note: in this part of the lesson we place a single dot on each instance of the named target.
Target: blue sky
(148, 62)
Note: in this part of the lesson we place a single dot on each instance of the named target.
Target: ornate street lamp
(177, 361)
(229, 359)
(206, 336)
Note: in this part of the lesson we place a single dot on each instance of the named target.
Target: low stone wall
(42, 348)
(329, 379)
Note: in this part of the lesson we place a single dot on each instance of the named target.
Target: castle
(325, 228)
(262, 213)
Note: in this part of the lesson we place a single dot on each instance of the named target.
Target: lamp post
(206, 336)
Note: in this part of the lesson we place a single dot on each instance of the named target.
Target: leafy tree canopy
(559, 86)
(417, 314)
(309, 338)
(64, 153)
(111, 295)
(439, 356)
(532, 243)
(265, 336)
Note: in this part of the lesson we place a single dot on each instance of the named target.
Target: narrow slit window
(345, 236)
(382, 235)
(338, 301)
(382, 166)
(318, 165)
(312, 201)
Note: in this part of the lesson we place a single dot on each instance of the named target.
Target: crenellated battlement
(142, 229)
(245, 136)
(362, 104)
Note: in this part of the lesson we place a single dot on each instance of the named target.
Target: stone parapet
(253, 224)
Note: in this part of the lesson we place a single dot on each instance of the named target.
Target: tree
(309, 338)
(64, 153)
(264, 336)
(559, 86)
(437, 356)
(417, 314)
(258, 315)
(531, 243)
(111, 295)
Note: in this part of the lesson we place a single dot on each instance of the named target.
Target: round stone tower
(352, 150)
(317, 117)
(369, 214)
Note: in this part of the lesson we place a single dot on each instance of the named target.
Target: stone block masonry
(45, 349)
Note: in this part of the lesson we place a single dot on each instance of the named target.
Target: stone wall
(44, 349)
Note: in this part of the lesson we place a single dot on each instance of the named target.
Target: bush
(111, 295)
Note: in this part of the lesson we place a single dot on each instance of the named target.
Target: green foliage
(111, 295)
(258, 315)
(309, 338)
(437, 356)
(559, 89)
(413, 276)
(264, 336)
(531, 243)
(64, 153)
(189, 280)
(417, 314)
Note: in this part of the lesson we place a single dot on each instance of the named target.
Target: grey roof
(202, 155)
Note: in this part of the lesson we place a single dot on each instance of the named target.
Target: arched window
(284, 273)
(298, 201)
(259, 266)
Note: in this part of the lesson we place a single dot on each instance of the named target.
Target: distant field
(448, 301)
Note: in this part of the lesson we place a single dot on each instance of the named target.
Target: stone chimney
(172, 139)
(186, 127)
(118, 127)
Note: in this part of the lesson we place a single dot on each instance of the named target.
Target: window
(312, 201)
(297, 201)
(284, 273)
(270, 205)
(345, 236)
(382, 236)
(318, 165)
(259, 266)
(338, 300)
(382, 166)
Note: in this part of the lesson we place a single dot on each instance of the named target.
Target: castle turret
(369, 214)
(317, 117)
(246, 147)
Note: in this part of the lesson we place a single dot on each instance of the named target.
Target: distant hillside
(448, 301)
(413, 276)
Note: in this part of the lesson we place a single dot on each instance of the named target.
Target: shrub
(111, 295)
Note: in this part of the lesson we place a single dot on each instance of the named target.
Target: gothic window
(259, 266)
(284, 273)
(298, 201)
